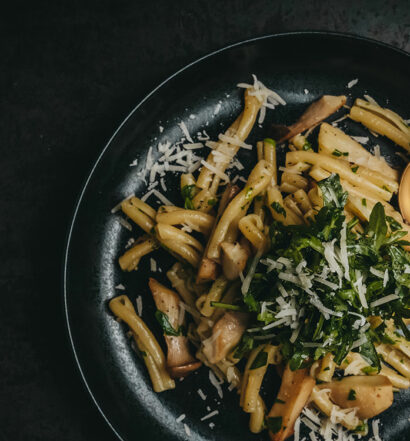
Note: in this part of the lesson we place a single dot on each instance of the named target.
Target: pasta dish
(301, 272)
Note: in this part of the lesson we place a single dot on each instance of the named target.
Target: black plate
(115, 377)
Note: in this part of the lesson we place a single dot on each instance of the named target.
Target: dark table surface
(70, 72)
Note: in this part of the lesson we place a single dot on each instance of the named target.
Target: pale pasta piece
(251, 226)
(327, 368)
(302, 199)
(140, 212)
(169, 232)
(257, 418)
(395, 359)
(294, 180)
(291, 204)
(180, 285)
(332, 140)
(276, 207)
(340, 167)
(182, 251)
(187, 179)
(130, 259)
(154, 358)
(379, 125)
(196, 220)
(214, 295)
(258, 180)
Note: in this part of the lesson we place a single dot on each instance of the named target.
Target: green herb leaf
(163, 320)
(274, 424)
(332, 191)
(352, 395)
(226, 306)
(355, 168)
(377, 227)
(278, 208)
(260, 360)
(245, 346)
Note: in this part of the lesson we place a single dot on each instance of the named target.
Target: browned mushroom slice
(294, 393)
(313, 115)
(208, 269)
(234, 258)
(226, 334)
(180, 362)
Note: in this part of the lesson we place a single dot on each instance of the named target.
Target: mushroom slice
(226, 334)
(234, 258)
(313, 115)
(294, 393)
(180, 362)
(371, 395)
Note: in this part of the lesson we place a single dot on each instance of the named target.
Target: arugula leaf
(368, 352)
(188, 192)
(245, 345)
(278, 208)
(332, 191)
(260, 360)
(166, 326)
(377, 226)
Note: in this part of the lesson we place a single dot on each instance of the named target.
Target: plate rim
(89, 175)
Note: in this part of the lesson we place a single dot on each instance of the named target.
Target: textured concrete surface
(70, 72)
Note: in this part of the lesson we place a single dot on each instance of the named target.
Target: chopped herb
(248, 193)
(212, 202)
(278, 208)
(278, 400)
(352, 395)
(274, 424)
(364, 202)
(245, 346)
(188, 192)
(386, 188)
(355, 168)
(226, 306)
(260, 360)
(369, 370)
(166, 326)
(270, 141)
(338, 153)
(327, 368)
(307, 146)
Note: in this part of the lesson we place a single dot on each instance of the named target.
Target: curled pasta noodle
(140, 212)
(292, 205)
(399, 361)
(293, 180)
(169, 232)
(183, 251)
(379, 125)
(340, 167)
(180, 285)
(274, 197)
(254, 353)
(257, 418)
(187, 179)
(331, 138)
(258, 180)
(251, 226)
(196, 220)
(255, 378)
(130, 259)
(154, 359)
(327, 368)
(302, 199)
(214, 295)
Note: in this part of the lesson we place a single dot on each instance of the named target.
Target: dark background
(69, 73)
